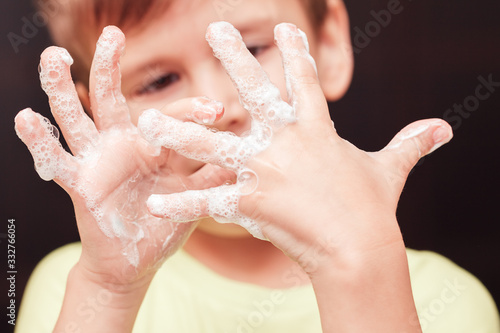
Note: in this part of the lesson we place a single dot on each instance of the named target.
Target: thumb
(415, 141)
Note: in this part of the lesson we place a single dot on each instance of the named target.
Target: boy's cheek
(137, 108)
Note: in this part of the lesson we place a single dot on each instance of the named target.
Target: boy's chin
(225, 230)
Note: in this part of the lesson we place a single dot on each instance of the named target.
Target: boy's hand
(300, 185)
(113, 169)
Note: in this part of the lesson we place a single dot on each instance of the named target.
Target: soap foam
(258, 95)
(41, 145)
(221, 148)
(112, 106)
(285, 31)
(56, 81)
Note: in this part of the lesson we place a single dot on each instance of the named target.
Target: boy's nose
(216, 84)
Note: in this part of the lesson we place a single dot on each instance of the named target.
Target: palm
(112, 170)
(111, 211)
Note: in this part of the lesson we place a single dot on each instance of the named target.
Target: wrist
(122, 280)
(352, 247)
(94, 304)
(352, 264)
(366, 291)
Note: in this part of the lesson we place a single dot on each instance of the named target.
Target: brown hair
(76, 24)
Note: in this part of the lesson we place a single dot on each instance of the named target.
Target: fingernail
(289, 27)
(206, 111)
(155, 205)
(66, 57)
(25, 119)
(441, 136)
(221, 31)
(284, 30)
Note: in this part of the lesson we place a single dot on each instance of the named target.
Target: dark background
(428, 58)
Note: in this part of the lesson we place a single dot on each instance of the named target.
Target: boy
(320, 201)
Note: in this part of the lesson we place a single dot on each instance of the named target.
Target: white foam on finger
(293, 45)
(41, 137)
(55, 80)
(221, 203)
(111, 107)
(196, 142)
(257, 93)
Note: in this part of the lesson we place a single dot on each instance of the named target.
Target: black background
(428, 58)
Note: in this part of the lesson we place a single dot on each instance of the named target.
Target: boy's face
(170, 59)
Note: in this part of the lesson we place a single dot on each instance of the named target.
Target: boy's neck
(245, 259)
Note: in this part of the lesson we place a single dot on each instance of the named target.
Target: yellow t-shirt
(185, 296)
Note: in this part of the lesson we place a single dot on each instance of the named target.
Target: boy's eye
(161, 82)
(257, 50)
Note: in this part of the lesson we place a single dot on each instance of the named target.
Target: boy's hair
(76, 24)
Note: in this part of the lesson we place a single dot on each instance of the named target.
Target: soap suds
(56, 81)
(41, 145)
(258, 95)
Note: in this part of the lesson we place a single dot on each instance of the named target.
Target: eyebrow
(248, 25)
(244, 27)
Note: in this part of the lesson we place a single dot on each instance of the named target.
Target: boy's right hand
(113, 170)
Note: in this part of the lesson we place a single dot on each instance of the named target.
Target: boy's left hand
(300, 185)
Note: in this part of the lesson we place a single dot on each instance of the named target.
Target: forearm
(367, 293)
(89, 306)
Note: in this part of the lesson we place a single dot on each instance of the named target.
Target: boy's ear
(335, 60)
(83, 95)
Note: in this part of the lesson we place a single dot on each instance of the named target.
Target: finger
(258, 95)
(78, 129)
(304, 90)
(415, 141)
(221, 203)
(201, 110)
(194, 141)
(41, 138)
(210, 176)
(218, 202)
(109, 107)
